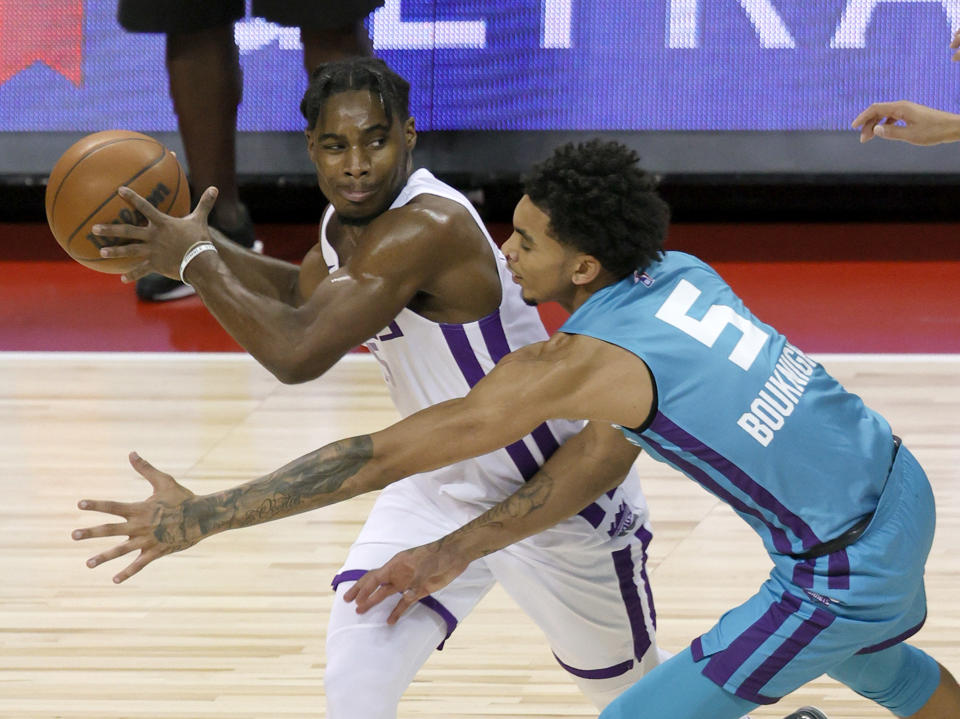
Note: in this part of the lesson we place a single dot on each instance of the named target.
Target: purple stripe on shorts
(594, 514)
(606, 673)
(645, 537)
(350, 575)
(469, 365)
(783, 655)
(696, 649)
(838, 570)
(780, 540)
(803, 573)
(895, 640)
(623, 563)
(763, 498)
(723, 664)
(430, 602)
(445, 614)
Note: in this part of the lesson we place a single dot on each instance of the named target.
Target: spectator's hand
(908, 122)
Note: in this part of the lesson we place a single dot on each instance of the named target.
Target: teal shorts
(811, 615)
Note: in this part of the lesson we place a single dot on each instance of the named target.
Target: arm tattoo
(520, 505)
(314, 480)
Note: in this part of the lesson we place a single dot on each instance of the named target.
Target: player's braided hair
(358, 73)
(602, 203)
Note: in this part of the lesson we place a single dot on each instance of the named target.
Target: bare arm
(296, 340)
(538, 382)
(584, 467)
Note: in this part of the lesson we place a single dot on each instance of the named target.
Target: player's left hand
(163, 241)
(413, 573)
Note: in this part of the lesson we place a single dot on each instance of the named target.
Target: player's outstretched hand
(908, 122)
(156, 526)
(163, 241)
(413, 573)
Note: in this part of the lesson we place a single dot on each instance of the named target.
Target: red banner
(48, 31)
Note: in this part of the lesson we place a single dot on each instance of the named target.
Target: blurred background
(743, 109)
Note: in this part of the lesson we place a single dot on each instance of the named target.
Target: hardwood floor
(234, 627)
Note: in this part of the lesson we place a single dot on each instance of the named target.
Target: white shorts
(587, 590)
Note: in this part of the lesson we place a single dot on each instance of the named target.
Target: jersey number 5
(706, 331)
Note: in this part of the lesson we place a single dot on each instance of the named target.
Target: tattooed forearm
(314, 480)
(521, 505)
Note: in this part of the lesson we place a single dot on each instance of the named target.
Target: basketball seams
(109, 199)
(53, 205)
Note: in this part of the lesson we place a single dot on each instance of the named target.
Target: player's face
(540, 265)
(362, 158)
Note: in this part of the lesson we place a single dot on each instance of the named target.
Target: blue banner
(518, 64)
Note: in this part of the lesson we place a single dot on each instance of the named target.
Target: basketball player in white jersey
(405, 266)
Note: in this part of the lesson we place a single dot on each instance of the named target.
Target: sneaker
(807, 713)
(157, 288)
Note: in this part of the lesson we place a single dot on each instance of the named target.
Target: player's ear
(410, 133)
(308, 133)
(586, 268)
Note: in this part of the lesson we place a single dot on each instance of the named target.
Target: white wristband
(195, 249)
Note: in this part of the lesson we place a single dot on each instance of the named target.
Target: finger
(126, 232)
(102, 530)
(143, 560)
(864, 117)
(866, 133)
(114, 552)
(890, 132)
(157, 479)
(378, 595)
(362, 587)
(407, 600)
(879, 110)
(121, 509)
(134, 249)
(139, 203)
(207, 200)
(141, 270)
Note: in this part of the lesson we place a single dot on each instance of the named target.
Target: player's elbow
(292, 373)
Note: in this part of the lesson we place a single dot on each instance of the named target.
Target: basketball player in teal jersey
(659, 354)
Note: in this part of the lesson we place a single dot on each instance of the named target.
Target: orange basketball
(82, 192)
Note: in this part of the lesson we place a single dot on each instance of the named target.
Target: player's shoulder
(424, 215)
(573, 351)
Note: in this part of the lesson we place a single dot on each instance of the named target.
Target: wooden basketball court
(234, 627)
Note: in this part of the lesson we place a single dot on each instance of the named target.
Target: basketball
(82, 192)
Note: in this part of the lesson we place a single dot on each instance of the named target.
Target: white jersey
(426, 362)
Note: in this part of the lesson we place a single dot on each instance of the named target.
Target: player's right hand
(156, 526)
(413, 573)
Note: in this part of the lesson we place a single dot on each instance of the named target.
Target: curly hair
(602, 203)
(357, 73)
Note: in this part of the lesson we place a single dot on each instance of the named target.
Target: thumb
(207, 200)
(154, 476)
(890, 132)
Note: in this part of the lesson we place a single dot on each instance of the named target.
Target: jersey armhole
(640, 429)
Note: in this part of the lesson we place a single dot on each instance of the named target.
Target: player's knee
(901, 678)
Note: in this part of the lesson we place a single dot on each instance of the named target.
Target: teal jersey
(740, 410)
